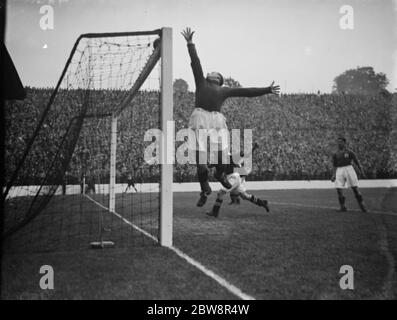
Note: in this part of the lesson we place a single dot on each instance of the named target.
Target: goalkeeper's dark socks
(203, 196)
(205, 187)
(215, 208)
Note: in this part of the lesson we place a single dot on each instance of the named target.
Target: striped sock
(254, 199)
(217, 205)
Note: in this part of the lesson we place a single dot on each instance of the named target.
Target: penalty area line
(209, 273)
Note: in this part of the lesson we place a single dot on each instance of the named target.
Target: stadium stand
(296, 133)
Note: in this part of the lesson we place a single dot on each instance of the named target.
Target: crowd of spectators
(296, 134)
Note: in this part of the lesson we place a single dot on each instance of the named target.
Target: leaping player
(210, 95)
(238, 189)
(344, 173)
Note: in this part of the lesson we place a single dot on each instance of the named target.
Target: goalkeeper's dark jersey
(209, 96)
(343, 158)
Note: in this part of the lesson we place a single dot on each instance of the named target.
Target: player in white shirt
(238, 188)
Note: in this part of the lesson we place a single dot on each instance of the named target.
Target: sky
(298, 44)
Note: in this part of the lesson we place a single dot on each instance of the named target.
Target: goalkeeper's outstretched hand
(188, 35)
(275, 89)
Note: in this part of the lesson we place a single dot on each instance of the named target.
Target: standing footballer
(344, 173)
(131, 183)
(210, 95)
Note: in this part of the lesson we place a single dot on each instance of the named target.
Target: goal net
(78, 177)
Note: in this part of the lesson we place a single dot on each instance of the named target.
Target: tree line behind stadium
(296, 134)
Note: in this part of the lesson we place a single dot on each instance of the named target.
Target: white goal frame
(166, 111)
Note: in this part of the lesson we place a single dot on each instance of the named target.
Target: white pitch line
(327, 207)
(222, 281)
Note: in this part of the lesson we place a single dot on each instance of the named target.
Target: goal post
(166, 204)
(166, 107)
(113, 152)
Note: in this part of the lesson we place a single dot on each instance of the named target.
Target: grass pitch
(293, 252)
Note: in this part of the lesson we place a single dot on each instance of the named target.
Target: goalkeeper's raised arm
(252, 92)
(210, 93)
(195, 61)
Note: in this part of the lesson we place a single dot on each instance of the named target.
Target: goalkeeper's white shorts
(237, 182)
(346, 176)
(203, 119)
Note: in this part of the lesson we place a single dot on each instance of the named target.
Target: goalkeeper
(209, 98)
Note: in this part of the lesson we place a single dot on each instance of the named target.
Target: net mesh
(57, 197)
